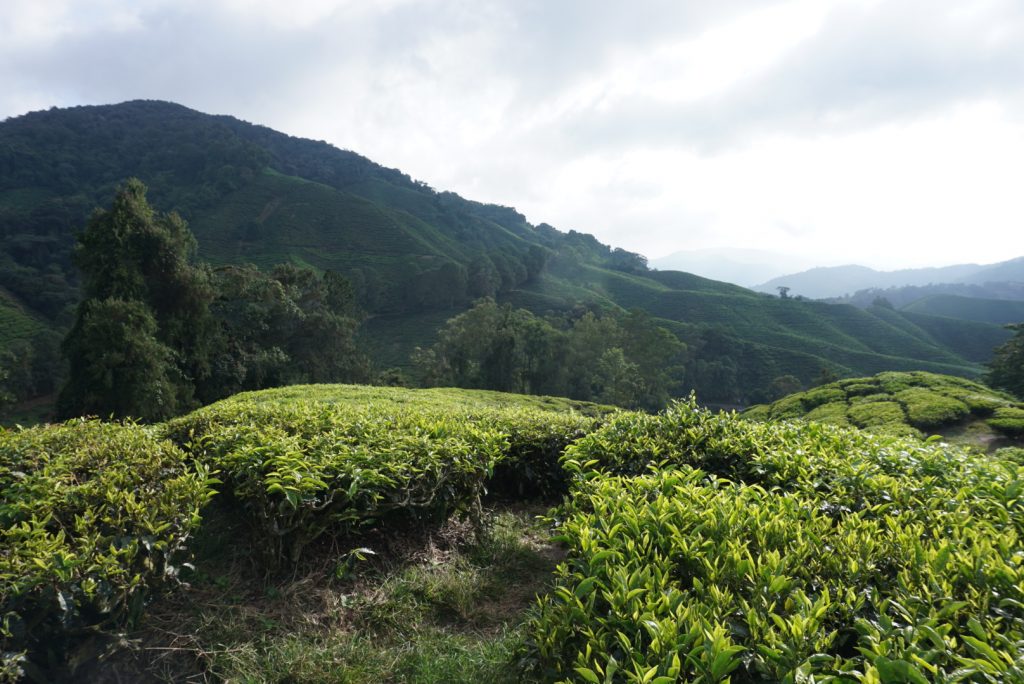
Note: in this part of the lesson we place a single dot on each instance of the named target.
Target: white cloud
(839, 129)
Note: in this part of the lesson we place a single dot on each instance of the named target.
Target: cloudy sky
(882, 132)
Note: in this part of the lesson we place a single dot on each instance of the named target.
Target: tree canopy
(622, 359)
(1006, 369)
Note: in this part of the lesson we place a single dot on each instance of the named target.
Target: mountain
(900, 297)
(416, 256)
(998, 311)
(837, 281)
(746, 267)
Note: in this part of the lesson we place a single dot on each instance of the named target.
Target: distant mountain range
(416, 256)
(746, 267)
(838, 281)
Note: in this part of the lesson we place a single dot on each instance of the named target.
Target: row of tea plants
(904, 403)
(705, 548)
(96, 516)
(701, 547)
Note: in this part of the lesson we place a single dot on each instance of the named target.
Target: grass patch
(445, 606)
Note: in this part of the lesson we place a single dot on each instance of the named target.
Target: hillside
(415, 255)
(996, 311)
(376, 534)
(900, 297)
(914, 404)
(837, 281)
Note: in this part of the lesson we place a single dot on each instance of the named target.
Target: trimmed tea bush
(330, 463)
(1009, 420)
(826, 555)
(834, 414)
(874, 413)
(927, 409)
(94, 516)
(959, 408)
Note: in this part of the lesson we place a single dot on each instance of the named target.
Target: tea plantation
(913, 403)
(694, 547)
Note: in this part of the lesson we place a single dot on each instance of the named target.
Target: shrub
(341, 460)
(859, 387)
(927, 409)
(874, 413)
(822, 395)
(868, 398)
(94, 517)
(674, 573)
(788, 407)
(1009, 420)
(834, 414)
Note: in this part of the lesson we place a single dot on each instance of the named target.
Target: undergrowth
(441, 606)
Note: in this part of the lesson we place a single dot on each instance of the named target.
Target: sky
(888, 133)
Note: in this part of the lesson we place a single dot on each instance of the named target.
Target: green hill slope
(915, 403)
(997, 311)
(252, 194)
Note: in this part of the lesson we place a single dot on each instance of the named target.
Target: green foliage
(1006, 369)
(144, 320)
(94, 517)
(695, 554)
(118, 367)
(833, 413)
(289, 326)
(870, 414)
(624, 360)
(303, 462)
(1009, 419)
(904, 404)
(926, 409)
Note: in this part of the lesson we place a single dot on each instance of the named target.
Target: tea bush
(873, 413)
(94, 516)
(323, 461)
(1008, 419)
(704, 548)
(904, 403)
(927, 409)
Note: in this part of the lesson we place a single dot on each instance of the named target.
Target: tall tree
(118, 367)
(137, 267)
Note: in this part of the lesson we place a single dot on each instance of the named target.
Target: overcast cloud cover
(888, 133)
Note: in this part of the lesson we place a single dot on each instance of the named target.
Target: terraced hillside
(915, 404)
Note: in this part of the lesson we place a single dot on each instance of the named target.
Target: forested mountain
(415, 256)
(840, 281)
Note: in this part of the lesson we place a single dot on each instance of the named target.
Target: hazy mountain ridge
(745, 267)
(839, 281)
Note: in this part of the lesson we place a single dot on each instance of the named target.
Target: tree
(137, 268)
(626, 360)
(118, 367)
(289, 326)
(784, 385)
(1006, 369)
